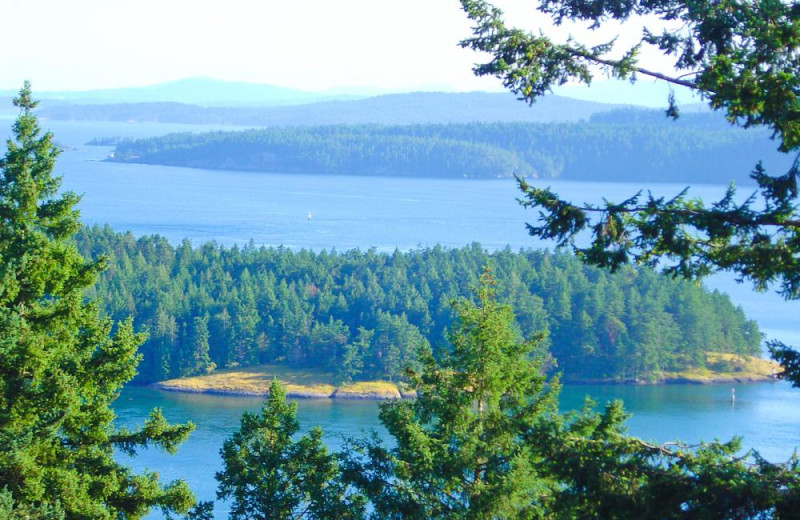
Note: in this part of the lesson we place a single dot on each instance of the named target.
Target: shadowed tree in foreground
(61, 362)
(743, 59)
(269, 475)
(484, 439)
(461, 449)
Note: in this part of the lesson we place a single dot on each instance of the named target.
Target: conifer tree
(61, 362)
(484, 439)
(462, 447)
(742, 57)
(269, 476)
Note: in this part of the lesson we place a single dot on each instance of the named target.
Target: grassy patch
(255, 380)
(727, 367)
(369, 390)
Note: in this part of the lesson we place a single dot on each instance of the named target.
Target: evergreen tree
(61, 362)
(484, 439)
(196, 359)
(604, 473)
(743, 58)
(352, 362)
(306, 310)
(462, 447)
(269, 476)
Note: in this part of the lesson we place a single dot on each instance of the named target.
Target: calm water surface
(347, 211)
(387, 214)
(766, 415)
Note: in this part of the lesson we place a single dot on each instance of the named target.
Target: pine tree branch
(641, 70)
(730, 216)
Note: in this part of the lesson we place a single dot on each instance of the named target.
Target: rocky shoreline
(718, 380)
(387, 394)
(680, 380)
(255, 380)
(342, 393)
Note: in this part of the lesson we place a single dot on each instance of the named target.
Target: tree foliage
(62, 362)
(743, 59)
(741, 56)
(605, 473)
(360, 314)
(267, 474)
(703, 147)
(484, 439)
(460, 445)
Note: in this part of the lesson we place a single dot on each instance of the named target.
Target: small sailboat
(309, 215)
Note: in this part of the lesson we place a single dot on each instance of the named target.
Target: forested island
(361, 315)
(698, 148)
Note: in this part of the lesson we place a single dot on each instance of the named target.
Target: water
(767, 416)
(388, 214)
(216, 418)
(346, 211)
(272, 209)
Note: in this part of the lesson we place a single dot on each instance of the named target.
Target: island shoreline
(388, 396)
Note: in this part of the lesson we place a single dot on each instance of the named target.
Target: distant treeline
(362, 314)
(628, 145)
(107, 141)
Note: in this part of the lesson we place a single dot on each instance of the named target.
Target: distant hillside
(195, 91)
(620, 146)
(6, 107)
(213, 92)
(390, 109)
(643, 93)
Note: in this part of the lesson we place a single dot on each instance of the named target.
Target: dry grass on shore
(255, 380)
(369, 390)
(723, 367)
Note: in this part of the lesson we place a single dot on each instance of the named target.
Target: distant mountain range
(198, 91)
(645, 92)
(213, 92)
(391, 109)
(474, 134)
(210, 101)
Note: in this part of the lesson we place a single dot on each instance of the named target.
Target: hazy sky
(307, 44)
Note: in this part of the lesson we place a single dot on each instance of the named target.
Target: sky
(306, 44)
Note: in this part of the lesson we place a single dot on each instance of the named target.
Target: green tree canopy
(269, 475)
(484, 439)
(743, 58)
(360, 315)
(460, 445)
(61, 362)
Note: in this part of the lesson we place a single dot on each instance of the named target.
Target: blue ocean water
(765, 415)
(385, 213)
(346, 212)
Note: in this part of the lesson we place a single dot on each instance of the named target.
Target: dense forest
(362, 314)
(698, 148)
